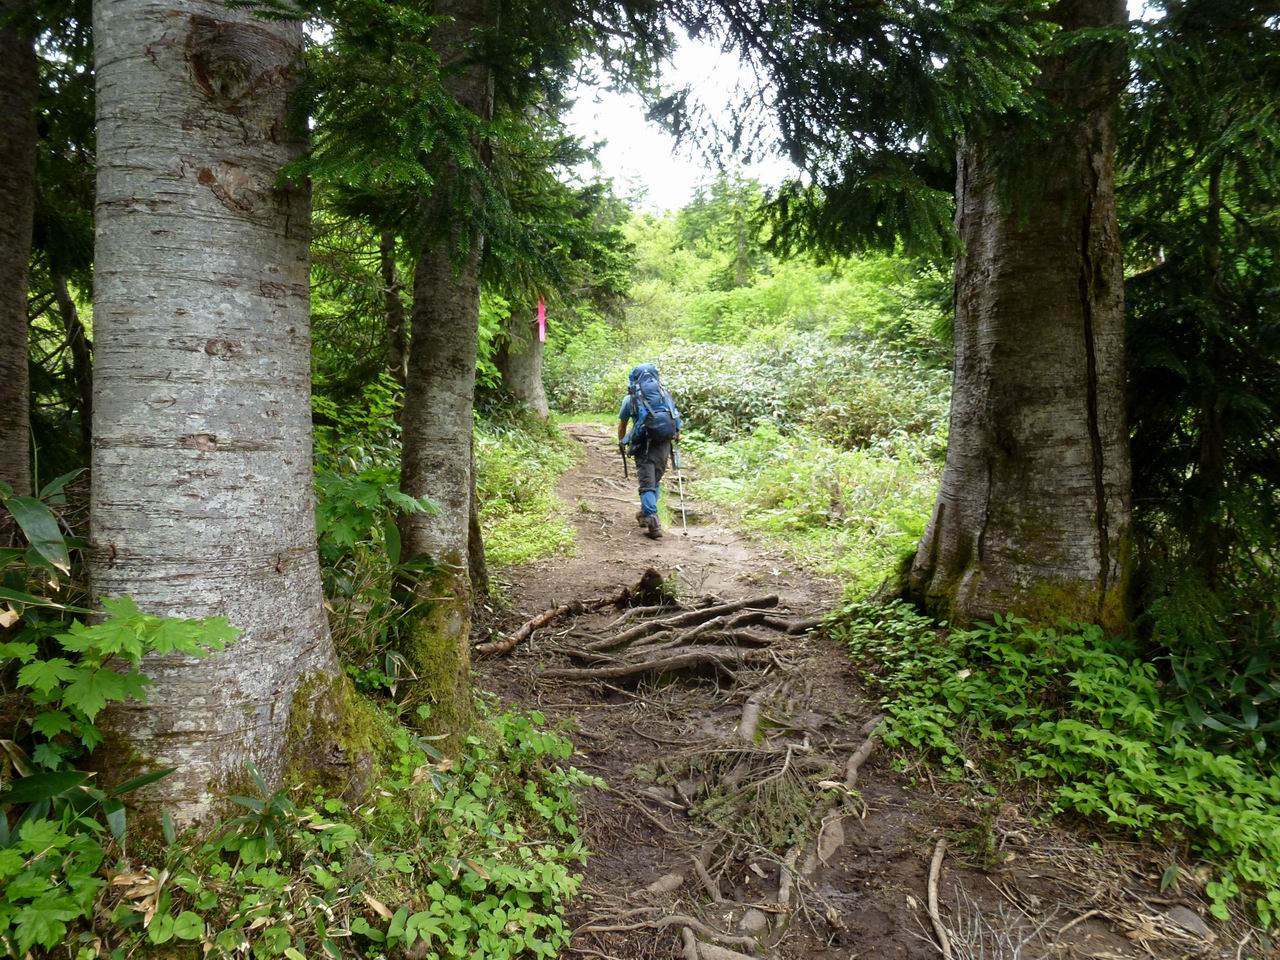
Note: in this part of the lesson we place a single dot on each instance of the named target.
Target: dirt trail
(686, 786)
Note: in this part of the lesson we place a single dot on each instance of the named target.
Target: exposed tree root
(690, 942)
(787, 877)
(746, 797)
(709, 951)
(697, 657)
(939, 928)
(750, 716)
(725, 622)
(636, 612)
(686, 619)
(666, 883)
(675, 919)
(871, 730)
(649, 586)
(708, 881)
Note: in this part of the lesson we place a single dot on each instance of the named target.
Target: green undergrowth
(1088, 719)
(392, 850)
(518, 462)
(474, 856)
(849, 514)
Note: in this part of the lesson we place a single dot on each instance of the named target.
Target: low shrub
(519, 459)
(850, 514)
(850, 392)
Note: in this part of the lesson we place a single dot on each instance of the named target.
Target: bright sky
(639, 155)
(642, 158)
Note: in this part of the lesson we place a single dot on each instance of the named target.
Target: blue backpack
(652, 408)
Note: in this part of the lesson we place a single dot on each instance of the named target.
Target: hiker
(655, 426)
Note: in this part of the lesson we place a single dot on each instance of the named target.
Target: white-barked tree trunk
(202, 460)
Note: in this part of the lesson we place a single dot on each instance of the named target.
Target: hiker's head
(643, 370)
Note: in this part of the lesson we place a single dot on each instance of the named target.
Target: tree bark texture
(440, 393)
(19, 86)
(519, 361)
(202, 461)
(1033, 515)
(397, 330)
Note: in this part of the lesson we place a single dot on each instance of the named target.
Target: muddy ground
(694, 811)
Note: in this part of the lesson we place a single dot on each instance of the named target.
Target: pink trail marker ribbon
(542, 320)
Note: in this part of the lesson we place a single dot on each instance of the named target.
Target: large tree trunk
(437, 420)
(202, 463)
(19, 84)
(519, 361)
(1033, 513)
(397, 354)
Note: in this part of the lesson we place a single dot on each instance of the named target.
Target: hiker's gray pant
(652, 458)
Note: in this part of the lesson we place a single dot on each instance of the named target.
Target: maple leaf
(44, 675)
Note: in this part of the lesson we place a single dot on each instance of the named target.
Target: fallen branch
(939, 928)
(526, 629)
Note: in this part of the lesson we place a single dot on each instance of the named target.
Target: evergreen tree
(867, 99)
(61, 350)
(412, 103)
(440, 388)
(567, 250)
(726, 215)
(1200, 192)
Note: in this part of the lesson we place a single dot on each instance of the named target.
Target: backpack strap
(641, 409)
(637, 411)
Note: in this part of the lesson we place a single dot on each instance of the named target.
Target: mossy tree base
(436, 640)
(332, 741)
(968, 597)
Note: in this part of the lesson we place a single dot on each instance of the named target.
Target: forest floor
(693, 842)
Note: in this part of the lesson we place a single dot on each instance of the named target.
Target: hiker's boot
(641, 519)
(654, 529)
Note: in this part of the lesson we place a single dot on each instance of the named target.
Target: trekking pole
(622, 452)
(675, 462)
